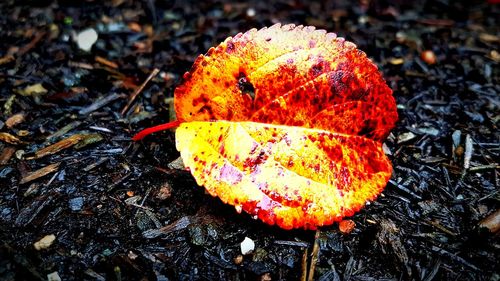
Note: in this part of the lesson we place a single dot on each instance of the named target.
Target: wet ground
(103, 207)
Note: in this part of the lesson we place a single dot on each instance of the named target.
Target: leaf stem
(161, 127)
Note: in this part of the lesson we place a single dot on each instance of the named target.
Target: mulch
(111, 208)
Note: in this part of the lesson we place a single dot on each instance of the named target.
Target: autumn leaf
(285, 123)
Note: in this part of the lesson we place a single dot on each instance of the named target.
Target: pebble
(346, 226)
(86, 39)
(247, 246)
(45, 242)
(428, 56)
(54, 276)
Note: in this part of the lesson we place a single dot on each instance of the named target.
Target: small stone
(459, 151)
(251, 12)
(247, 246)
(238, 259)
(347, 226)
(86, 39)
(132, 256)
(428, 57)
(54, 276)
(45, 242)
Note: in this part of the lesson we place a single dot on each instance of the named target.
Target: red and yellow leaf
(286, 123)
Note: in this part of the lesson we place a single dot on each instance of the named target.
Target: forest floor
(121, 210)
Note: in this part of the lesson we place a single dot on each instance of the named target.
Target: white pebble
(247, 246)
(86, 39)
(251, 12)
(54, 276)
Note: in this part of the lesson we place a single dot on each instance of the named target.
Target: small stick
(106, 62)
(139, 90)
(303, 276)
(314, 256)
(155, 129)
(32, 43)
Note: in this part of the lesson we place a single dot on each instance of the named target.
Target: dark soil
(120, 210)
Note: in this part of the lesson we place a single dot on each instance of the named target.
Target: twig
(314, 256)
(484, 167)
(405, 189)
(99, 103)
(139, 90)
(32, 44)
(106, 62)
(440, 227)
(292, 243)
(303, 276)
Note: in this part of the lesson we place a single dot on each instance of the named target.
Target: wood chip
(106, 62)
(40, 173)
(14, 120)
(404, 137)
(8, 138)
(33, 90)
(45, 242)
(58, 146)
(88, 139)
(491, 222)
(468, 151)
(64, 130)
(177, 164)
(6, 59)
(489, 38)
(6, 154)
(314, 256)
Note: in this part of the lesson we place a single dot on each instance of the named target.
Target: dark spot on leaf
(245, 86)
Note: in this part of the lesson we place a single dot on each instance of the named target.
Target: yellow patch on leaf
(289, 176)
